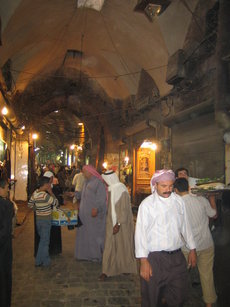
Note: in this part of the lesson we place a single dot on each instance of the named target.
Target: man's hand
(116, 228)
(94, 212)
(145, 269)
(192, 258)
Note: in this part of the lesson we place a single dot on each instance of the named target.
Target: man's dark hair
(181, 184)
(181, 169)
(43, 180)
(3, 183)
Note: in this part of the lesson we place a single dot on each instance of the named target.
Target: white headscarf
(48, 174)
(116, 188)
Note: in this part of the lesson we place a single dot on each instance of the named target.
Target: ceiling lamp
(152, 8)
(34, 136)
(92, 4)
(149, 145)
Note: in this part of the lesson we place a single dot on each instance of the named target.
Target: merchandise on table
(209, 188)
(64, 217)
(213, 181)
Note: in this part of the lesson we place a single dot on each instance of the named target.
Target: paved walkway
(69, 282)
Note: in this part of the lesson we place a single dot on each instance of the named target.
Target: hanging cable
(82, 39)
(91, 77)
(122, 61)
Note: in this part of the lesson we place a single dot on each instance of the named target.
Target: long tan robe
(118, 256)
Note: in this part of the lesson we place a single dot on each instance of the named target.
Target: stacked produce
(209, 185)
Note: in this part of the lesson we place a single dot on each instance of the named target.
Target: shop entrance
(144, 167)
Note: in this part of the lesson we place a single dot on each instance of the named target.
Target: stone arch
(80, 99)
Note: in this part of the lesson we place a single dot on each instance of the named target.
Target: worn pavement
(68, 282)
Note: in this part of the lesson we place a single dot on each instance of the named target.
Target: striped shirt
(161, 223)
(42, 202)
(199, 210)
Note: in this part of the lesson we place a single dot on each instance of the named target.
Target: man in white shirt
(199, 210)
(78, 181)
(183, 173)
(161, 223)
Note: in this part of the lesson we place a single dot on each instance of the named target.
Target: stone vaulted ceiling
(62, 54)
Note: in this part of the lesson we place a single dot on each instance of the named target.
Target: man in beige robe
(118, 256)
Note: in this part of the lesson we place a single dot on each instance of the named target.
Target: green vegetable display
(209, 180)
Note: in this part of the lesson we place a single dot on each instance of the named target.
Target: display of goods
(207, 180)
(64, 217)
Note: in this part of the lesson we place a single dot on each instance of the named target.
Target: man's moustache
(167, 193)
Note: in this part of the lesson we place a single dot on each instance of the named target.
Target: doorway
(144, 167)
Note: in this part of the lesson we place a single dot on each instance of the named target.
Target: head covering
(110, 177)
(161, 175)
(116, 188)
(48, 174)
(92, 171)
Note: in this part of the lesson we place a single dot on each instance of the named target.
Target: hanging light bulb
(148, 144)
(34, 136)
(105, 164)
(4, 111)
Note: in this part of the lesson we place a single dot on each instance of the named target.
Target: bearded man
(161, 223)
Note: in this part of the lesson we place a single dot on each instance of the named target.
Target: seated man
(199, 210)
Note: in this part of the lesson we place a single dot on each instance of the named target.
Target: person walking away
(184, 173)
(161, 222)
(90, 236)
(62, 177)
(78, 182)
(42, 202)
(118, 256)
(199, 211)
(6, 216)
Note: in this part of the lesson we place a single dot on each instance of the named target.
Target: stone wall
(197, 139)
(198, 145)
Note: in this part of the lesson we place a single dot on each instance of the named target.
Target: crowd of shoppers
(172, 231)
